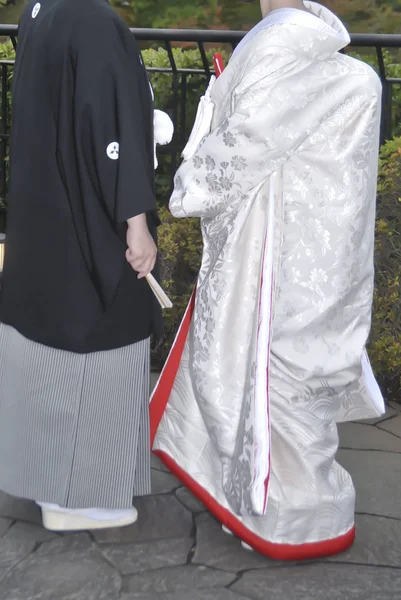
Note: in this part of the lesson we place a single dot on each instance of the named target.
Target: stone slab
(177, 579)
(377, 477)
(154, 377)
(163, 482)
(366, 437)
(215, 594)
(217, 549)
(378, 542)
(135, 558)
(157, 464)
(321, 582)
(5, 525)
(392, 426)
(160, 517)
(390, 412)
(189, 500)
(81, 575)
(67, 543)
(28, 532)
(19, 509)
(3, 573)
(12, 552)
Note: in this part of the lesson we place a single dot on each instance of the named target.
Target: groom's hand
(142, 251)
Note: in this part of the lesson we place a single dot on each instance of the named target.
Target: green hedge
(392, 64)
(385, 341)
(180, 244)
(6, 53)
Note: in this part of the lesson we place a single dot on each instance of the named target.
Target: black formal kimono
(75, 319)
(82, 163)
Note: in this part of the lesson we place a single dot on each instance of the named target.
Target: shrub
(180, 244)
(385, 341)
(7, 53)
(393, 69)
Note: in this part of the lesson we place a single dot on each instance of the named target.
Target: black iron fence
(382, 51)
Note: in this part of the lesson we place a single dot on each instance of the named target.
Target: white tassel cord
(203, 122)
(163, 128)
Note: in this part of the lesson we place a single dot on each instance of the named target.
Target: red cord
(218, 63)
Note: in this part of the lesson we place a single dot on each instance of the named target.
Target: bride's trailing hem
(275, 551)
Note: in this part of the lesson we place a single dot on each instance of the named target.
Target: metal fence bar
(385, 40)
(176, 100)
(229, 37)
(183, 116)
(205, 61)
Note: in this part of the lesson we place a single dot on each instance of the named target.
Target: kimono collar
(332, 35)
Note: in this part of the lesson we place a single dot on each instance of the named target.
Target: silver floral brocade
(287, 104)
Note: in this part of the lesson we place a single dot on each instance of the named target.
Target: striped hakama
(74, 428)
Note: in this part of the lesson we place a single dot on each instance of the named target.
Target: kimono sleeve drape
(111, 149)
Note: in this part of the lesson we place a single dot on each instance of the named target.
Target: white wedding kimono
(271, 352)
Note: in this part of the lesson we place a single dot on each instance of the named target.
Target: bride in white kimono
(271, 352)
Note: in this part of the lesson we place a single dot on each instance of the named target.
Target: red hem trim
(161, 394)
(286, 552)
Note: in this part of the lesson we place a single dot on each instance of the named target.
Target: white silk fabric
(285, 186)
(163, 128)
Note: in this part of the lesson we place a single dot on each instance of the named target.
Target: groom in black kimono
(76, 310)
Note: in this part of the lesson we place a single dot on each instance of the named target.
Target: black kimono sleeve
(108, 165)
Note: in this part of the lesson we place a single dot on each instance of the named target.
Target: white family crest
(36, 10)
(113, 150)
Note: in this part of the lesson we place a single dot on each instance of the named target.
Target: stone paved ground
(177, 551)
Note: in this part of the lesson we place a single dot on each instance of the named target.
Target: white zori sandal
(243, 544)
(56, 518)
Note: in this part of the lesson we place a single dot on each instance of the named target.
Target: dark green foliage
(392, 65)
(374, 16)
(385, 341)
(7, 53)
(180, 244)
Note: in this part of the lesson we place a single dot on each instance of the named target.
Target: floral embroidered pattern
(279, 112)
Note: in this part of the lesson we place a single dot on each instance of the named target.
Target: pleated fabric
(74, 428)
